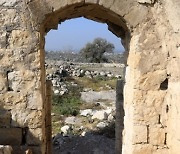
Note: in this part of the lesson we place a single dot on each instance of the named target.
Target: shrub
(66, 105)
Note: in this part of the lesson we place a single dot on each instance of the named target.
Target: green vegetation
(66, 105)
(95, 52)
(70, 103)
(98, 83)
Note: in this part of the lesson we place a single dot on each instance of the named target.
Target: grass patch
(56, 128)
(66, 105)
(98, 83)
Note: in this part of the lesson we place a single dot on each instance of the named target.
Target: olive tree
(95, 52)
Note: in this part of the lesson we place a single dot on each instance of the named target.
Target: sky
(74, 34)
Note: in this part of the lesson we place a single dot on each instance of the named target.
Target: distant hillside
(76, 57)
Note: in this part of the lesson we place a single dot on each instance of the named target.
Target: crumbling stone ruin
(150, 32)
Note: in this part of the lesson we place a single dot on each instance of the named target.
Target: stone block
(5, 118)
(34, 136)
(157, 136)
(33, 99)
(146, 1)
(14, 80)
(3, 39)
(70, 2)
(26, 118)
(8, 3)
(19, 38)
(8, 18)
(136, 15)
(105, 3)
(91, 1)
(26, 150)
(10, 136)
(5, 149)
(140, 134)
(143, 149)
(121, 7)
(3, 83)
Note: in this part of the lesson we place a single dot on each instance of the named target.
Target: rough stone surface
(93, 96)
(11, 136)
(5, 149)
(101, 115)
(150, 32)
(5, 118)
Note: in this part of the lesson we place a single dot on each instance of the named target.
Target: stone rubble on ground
(102, 125)
(94, 119)
(100, 117)
(65, 129)
(86, 112)
(69, 70)
(73, 120)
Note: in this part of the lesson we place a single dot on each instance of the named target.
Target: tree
(95, 51)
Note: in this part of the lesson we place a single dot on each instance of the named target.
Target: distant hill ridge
(76, 57)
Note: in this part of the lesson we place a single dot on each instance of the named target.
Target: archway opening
(84, 89)
(114, 22)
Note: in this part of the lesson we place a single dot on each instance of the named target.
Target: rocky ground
(83, 112)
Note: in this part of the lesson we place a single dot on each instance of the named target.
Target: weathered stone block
(5, 118)
(34, 136)
(136, 15)
(121, 7)
(74, 1)
(140, 134)
(8, 3)
(8, 18)
(91, 1)
(105, 3)
(26, 149)
(10, 136)
(157, 135)
(14, 81)
(27, 118)
(5, 149)
(143, 149)
(3, 39)
(146, 1)
(34, 101)
(19, 38)
(3, 83)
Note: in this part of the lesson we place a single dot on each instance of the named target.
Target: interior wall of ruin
(151, 92)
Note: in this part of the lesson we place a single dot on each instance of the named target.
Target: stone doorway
(150, 32)
(115, 28)
(99, 123)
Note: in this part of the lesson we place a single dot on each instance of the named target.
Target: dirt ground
(89, 144)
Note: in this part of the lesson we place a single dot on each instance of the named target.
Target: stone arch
(116, 24)
(151, 112)
(99, 13)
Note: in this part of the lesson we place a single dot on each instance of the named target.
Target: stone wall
(150, 32)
